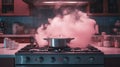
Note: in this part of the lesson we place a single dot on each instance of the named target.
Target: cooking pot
(58, 42)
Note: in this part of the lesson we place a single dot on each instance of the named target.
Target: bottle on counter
(10, 44)
(6, 41)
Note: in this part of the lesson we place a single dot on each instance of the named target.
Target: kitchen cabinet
(104, 7)
(112, 62)
(7, 6)
(7, 62)
(111, 55)
(14, 8)
(7, 56)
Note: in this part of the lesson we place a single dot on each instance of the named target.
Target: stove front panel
(55, 58)
(61, 65)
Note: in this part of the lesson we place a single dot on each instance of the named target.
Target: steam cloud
(72, 24)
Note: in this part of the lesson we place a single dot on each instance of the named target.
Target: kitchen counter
(6, 52)
(24, 35)
(108, 51)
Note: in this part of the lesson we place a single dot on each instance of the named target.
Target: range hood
(39, 3)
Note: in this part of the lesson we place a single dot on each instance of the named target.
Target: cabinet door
(113, 6)
(96, 6)
(14, 8)
(112, 62)
(21, 8)
(7, 62)
(7, 6)
(104, 7)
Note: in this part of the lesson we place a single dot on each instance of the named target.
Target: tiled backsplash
(34, 22)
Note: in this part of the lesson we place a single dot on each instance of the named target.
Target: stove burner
(65, 49)
(78, 49)
(34, 48)
(38, 50)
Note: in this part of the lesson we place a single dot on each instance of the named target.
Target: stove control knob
(91, 59)
(66, 59)
(27, 59)
(78, 59)
(53, 59)
(41, 59)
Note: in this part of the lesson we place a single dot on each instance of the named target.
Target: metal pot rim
(58, 38)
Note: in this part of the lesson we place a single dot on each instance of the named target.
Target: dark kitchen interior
(47, 33)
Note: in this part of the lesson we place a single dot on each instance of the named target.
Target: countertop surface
(25, 35)
(108, 51)
(10, 52)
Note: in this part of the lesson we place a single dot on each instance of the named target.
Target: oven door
(61, 65)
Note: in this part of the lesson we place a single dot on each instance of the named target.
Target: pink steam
(75, 25)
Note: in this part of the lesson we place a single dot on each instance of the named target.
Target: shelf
(14, 14)
(104, 14)
(96, 14)
(8, 4)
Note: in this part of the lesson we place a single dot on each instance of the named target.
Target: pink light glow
(71, 2)
(75, 25)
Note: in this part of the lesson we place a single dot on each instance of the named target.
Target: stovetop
(36, 50)
(32, 54)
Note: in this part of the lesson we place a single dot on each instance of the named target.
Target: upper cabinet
(104, 7)
(14, 8)
(95, 7)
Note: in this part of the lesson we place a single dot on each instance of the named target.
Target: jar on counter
(116, 43)
(101, 39)
(100, 44)
(107, 41)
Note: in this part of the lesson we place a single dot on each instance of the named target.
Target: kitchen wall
(104, 22)
(9, 21)
(34, 21)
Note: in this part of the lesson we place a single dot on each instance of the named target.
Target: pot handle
(69, 39)
(46, 38)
